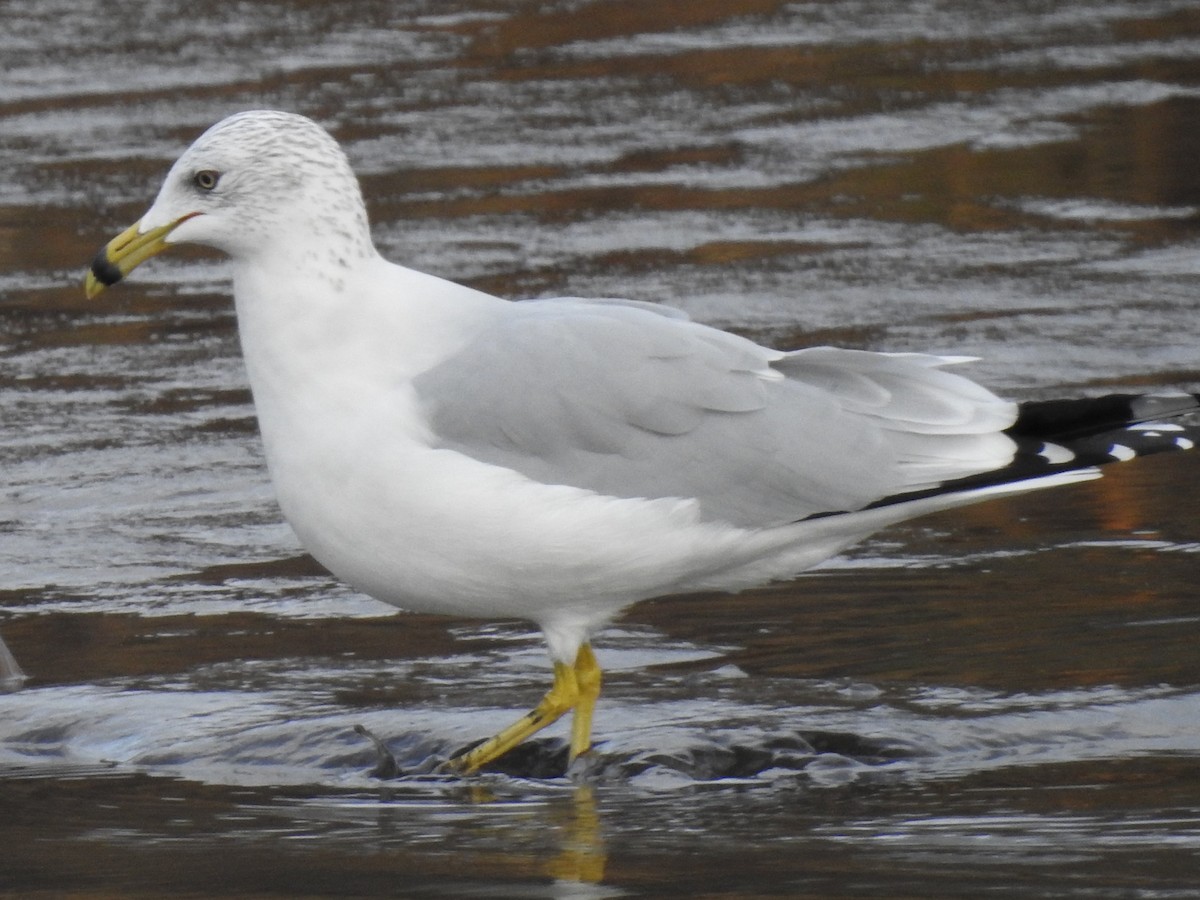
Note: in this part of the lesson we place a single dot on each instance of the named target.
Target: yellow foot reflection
(581, 857)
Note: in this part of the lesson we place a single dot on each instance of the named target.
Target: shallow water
(1005, 700)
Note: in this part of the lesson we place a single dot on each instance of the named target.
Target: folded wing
(629, 402)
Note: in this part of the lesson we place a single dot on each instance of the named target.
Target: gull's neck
(342, 341)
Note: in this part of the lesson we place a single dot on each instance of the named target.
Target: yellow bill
(126, 252)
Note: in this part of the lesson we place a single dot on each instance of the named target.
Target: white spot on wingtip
(1184, 443)
(1121, 452)
(1055, 454)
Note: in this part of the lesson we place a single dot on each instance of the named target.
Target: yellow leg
(575, 687)
(587, 679)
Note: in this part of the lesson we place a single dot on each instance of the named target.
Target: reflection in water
(11, 676)
(1099, 820)
(581, 854)
(1001, 702)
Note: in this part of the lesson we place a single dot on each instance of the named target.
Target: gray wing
(633, 402)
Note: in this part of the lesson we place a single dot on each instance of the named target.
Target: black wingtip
(1056, 436)
(1065, 420)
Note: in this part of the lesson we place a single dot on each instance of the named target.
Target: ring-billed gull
(448, 451)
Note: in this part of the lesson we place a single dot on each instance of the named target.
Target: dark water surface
(1000, 702)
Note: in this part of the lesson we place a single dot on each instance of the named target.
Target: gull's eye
(206, 179)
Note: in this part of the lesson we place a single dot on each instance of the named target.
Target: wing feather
(630, 402)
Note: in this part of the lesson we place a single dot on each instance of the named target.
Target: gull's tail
(1058, 441)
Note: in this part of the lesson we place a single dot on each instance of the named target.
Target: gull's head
(255, 181)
